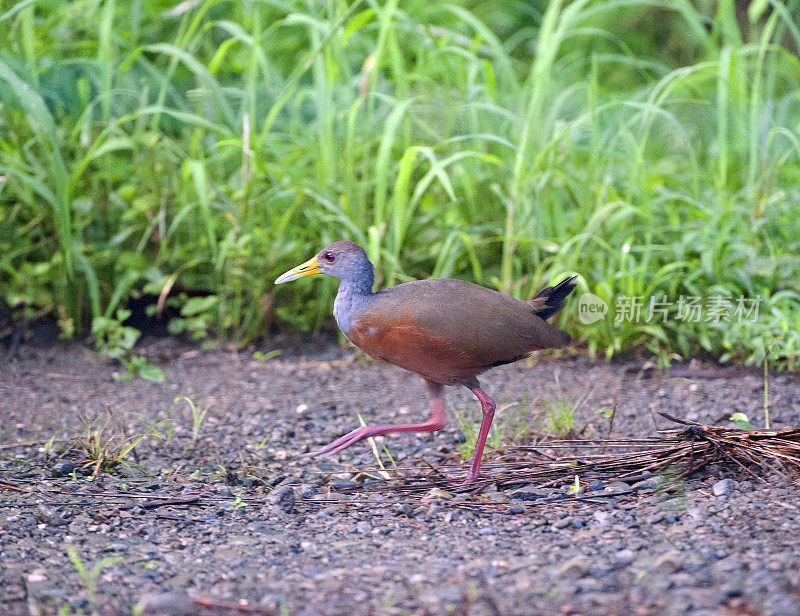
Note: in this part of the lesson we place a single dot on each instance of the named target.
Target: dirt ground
(254, 524)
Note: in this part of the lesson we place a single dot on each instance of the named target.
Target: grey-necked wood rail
(447, 331)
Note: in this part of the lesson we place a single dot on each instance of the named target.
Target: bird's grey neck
(359, 279)
(351, 298)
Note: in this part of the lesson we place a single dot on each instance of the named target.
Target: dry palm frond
(681, 450)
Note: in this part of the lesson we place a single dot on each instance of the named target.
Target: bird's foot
(348, 439)
(472, 476)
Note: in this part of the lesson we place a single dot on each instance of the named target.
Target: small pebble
(617, 486)
(624, 557)
(437, 494)
(63, 469)
(307, 491)
(404, 509)
(663, 516)
(574, 568)
(651, 483)
(363, 528)
(601, 517)
(667, 563)
(283, 498)
(167, 604)
(51, 517)
(724, 487)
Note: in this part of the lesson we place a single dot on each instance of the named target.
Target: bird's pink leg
(487, 407)
(436, 421)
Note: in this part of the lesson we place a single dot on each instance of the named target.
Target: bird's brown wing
(449, 330)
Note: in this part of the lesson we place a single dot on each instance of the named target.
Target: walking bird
(447, 331)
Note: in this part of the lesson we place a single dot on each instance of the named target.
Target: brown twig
(181, 500)
(9, 486)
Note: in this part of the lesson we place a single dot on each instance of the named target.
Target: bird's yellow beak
(309, 268)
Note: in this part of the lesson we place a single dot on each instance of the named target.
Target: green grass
(193, 152)
(521, 422)
(560, 414)
(510, 426)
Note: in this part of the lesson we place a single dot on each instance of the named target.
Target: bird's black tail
(548, 301)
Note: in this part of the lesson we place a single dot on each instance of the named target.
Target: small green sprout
(262, 357)
(741, 420)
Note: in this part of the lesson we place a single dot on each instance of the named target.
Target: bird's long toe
(343, 442)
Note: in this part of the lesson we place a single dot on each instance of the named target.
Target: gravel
(63, 469)
(575, 567)
(283, 498)
(667, 563)
(723, 487)
(292, 535)
(624, 557)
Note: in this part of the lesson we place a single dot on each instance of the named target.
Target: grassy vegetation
(521, 422)
(191, 152)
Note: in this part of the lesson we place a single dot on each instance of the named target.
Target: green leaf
(149, 372)
(741, 420)
(756, 10)
(359, 21)
(198, 305)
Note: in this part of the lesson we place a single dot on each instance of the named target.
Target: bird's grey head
(344, 260)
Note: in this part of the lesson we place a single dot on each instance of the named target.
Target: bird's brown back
(449, 330)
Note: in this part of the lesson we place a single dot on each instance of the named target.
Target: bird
(446, 330)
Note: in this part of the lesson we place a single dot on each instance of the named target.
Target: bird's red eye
(329, 257)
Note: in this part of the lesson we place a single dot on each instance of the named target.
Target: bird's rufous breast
(401, 341)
